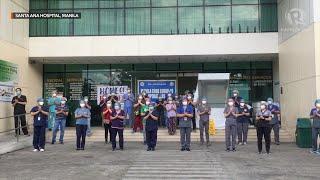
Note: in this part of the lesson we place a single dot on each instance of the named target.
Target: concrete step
(98, 135)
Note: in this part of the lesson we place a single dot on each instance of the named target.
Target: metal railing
(17, 130)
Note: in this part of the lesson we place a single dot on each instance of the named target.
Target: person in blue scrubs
(128, 99)
(82, 115)
(117, 126)
(275, 123)
(315, 116)
(40, 116)
(52, 109)
(151, 128)
(88, 106)
(184, 115)
(243, 120)
(231, 114)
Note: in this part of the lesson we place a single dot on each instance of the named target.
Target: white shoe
(35, 150)
(41, 150)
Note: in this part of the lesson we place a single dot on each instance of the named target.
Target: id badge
(185, 119)
(39, 118)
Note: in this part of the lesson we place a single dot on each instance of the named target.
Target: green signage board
(8, 79)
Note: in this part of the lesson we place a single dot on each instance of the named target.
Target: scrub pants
(315, 134)
(144, 130)
(81, 135)
(52, 118)
(204, 127)
(58, 123)
(137, 123)
(39, 137)
(185, 137)
(194, 124)
(107, 129)
(276, 131)
(230, 132)
(23, 124)
(128, 111)
(116, 131)
(152, 138)
(172, 125)
(242, 129)
(264, 132)
(89, 127)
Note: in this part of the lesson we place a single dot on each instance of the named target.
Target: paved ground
(167, 162)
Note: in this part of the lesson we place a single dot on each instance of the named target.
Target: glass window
(98, 67)
(53, 81)
(268, 1)
(218, 2)
(215, 67)
(269, 18)
(145, 67)
(167, 66)
(190, 2)
(262, 84)
(190, 20)
(38, 27)
(137, 3)
(53, 68)
(218, 19)
(245, 19)
(60, 27)
(240, 80)
(76, 67)
(159, 3)
(111, 3)
(38, 4)
(245, 1)
(124, 67)
(238, 65)
(138, 21)
(261, 65)
(86, 4)
(60, 4)
(88, 24)
(111, 21)
(164, 20)
(190, 66)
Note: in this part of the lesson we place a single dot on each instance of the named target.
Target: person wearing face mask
(151, 117)
(19, 110)
(315, 116)
(192, 104)
(52, 109)
(171, 115)
(137, 112)
(82, 115)
(184, 115)
(113, 98)
(103, 102)
(88, 106)
(128, 99)
(204, 111)
(144, 94)
(275, 123)
(243, 123)
(117, 118)
(236, 98)
(160, 108)
(107, 121)
(230, 113)
(143, 113)
(263, 118)
(40, 115)
(62, 112)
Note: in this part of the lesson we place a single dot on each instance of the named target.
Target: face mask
(112, 94)
(147, 103)
(128, 91)
(176, 97)
(54, 94)
(63, 102)
(151, 108)
(86, 100)
(318, 105)
(18, 93)
(104, 97)
(189, 97)
(140, 98)
(144, 94)
(230, 103)
(116, 107)
(184, 103)
(169, 95)
(241, 104)
(204, 102)
(170, 102)
(263, 107)
(108, 105)
(269, 102)
(41, 103)
(235, 94)
(82, 105)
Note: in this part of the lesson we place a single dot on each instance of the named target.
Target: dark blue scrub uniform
(40, 124)
(152, 130)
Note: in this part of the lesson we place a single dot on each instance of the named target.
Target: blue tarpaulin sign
(154, 88)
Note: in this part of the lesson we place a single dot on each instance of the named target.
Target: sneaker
(41, 150)
(234, 149)
(228, 149)
(52, 142)
(149, 149)
(244, 143)
(313, 151)
(182, 149)
(188, 149)
(113, 149)
(35, 150)
(152, 149)
(78, 149)
(259, 152)
(268, 153)
(208, 144)
(278, 143)
(239, 143)
(61, 142)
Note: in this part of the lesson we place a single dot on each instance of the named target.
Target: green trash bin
(304, 133)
